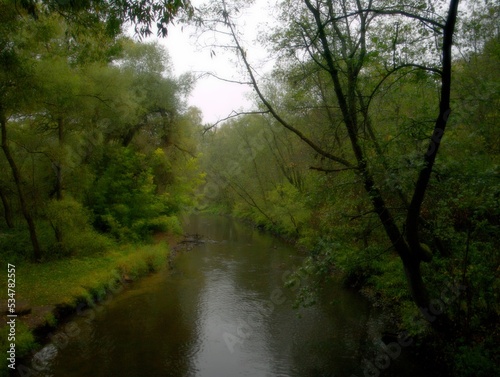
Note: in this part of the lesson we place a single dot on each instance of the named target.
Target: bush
(73, 223)
(474, 362)
(124, 198)
(140, 261)
(146, 227)
(15, 245)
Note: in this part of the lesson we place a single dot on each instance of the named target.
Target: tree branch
(232, 115)
(425, 20)
(332, 170)
(439, 128)
(271, 109)
(225, 80)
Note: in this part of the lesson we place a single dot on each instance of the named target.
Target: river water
(222, 311)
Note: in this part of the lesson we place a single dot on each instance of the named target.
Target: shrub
(73, 222)
(474, 362)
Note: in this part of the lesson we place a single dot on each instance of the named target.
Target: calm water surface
(223, 311)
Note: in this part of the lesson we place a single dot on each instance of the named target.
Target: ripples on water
(213, 316)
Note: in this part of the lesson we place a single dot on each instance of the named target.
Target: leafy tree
(71, 89)
(14, 91)
(144, 15)
(336, 36)
(360, 83)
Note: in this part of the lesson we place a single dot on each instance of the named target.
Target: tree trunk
(413, 215)
(348, 108)
(58, 167)
(17, 179)
(58, 164)
(7, 211)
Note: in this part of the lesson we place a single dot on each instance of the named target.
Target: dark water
(223, 311)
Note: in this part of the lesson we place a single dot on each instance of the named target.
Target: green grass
(68, 281)
(25, 342)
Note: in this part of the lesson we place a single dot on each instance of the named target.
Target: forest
(373, 146)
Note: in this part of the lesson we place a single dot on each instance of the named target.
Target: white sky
(214, 97)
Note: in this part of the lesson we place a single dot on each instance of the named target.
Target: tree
(144, 15)
(14, 81)
(341, 37)
(63, 90)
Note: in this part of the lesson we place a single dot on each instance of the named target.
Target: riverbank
(376, 274)
(46, 294)
(221, 311)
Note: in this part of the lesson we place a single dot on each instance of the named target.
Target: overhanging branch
(332, 170)
(271, 109)
(234, 114)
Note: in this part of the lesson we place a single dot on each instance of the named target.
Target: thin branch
(243, 194)
(310, 52)
(184, 150)
(363, 214)
(271, 109)
(422, 67)
(105, 102)
(224, 79)
(234, 114)
(394, 70)
(332, 170)
(425, 20)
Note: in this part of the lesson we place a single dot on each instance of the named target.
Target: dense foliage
(340, 155)
(348, 122)
(96, 137)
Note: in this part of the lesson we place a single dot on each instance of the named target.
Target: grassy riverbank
(53, 289)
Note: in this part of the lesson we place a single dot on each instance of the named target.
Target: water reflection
(223, 311)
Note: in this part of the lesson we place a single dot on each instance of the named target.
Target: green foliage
(73, 222)
(15, 245)
(90, 14)
(254, 170)
(98, 133)
(361, 96)
(287, 205)
(25, 343)
(474, 361)
(123, 199)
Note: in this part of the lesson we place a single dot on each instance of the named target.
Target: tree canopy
(96, 133)
(372, 91)
(374, 145)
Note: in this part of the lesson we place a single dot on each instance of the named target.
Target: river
(222, 311)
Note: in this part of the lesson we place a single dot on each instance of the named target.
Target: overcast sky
(214, 97)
